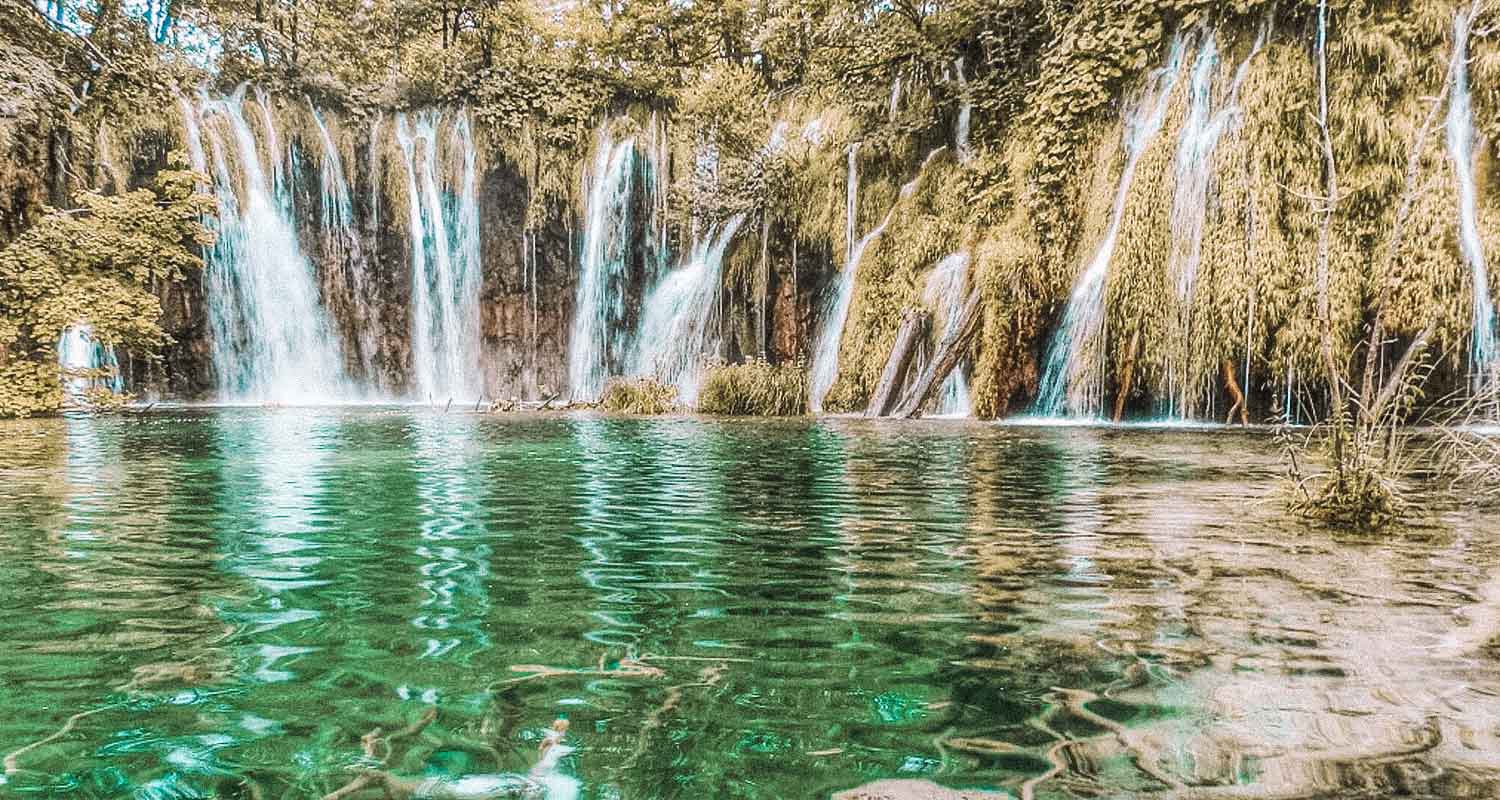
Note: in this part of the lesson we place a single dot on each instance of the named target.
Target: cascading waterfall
(444, 231)
(86, 363)
(680, 313)
(271, 338)
(825, 361)
(1073, 375)
(600, 342)
(1202, 130)
(945, 292)
(342, 243)
(1484, 354)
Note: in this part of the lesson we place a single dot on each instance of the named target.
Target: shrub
(755, 388)
(638, 396)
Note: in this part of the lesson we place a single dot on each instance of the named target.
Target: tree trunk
(950, 351)
(1235, 393)
(913, 325)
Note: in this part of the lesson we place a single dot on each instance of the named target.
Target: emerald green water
(761, 609)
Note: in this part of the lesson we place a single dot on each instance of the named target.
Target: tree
(96, 264)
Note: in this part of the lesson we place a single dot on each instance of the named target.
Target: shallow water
(760, 609)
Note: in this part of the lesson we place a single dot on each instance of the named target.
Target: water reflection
(761, 609)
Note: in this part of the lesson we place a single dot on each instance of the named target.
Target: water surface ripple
(220, 603)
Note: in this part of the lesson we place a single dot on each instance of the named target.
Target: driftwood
(1235, 393)
(913, 326)
(961, 331)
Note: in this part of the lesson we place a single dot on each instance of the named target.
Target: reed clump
(638, 396)
(755, 388)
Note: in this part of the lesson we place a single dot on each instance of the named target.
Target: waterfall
(1202, 130)
(945, 293)
(599, 341)
(444, 232)
(342, 244)
(1483, 352)
(965, 111)
(271, 338)
(86, 363)
(679, 313)
(825, 362)
(1069, 385)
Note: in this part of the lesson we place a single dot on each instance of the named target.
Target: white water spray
(86, 363)
(341, 244)
(1204, 128)
(965, 112)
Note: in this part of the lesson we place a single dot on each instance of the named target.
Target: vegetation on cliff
(96, 264)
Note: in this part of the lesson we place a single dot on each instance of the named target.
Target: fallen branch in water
(1076, 700)
(13, 759)
(142, 676)
(629, 668)
(372, 744)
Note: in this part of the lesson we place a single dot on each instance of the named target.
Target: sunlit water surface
(229, 600)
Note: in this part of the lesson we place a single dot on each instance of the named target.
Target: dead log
(1235, 393)
(961, 331)
(913, 327)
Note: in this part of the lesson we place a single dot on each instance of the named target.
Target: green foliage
(638, 396)
(755, 388)
(96, 264)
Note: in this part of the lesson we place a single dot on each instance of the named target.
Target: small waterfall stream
(600, 341)
(443, 224)
(945, 293)
(825, 360)
(965, 114)
(86, 363)
(271, 337)
(1072, 381)
(1204, 128)
(1484, 354)
(680, 316)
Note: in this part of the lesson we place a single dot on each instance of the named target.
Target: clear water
(242, 594)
